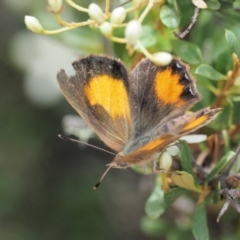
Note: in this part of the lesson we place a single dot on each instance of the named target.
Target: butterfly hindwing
(160, 138)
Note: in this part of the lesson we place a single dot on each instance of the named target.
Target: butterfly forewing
(160, 93)
(99, 93)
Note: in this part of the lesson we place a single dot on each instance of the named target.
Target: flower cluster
(107, 22)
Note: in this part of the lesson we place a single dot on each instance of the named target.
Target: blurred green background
(45, 182)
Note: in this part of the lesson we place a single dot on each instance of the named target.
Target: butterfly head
(120, 161)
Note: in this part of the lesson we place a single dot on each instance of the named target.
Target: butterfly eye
(123, 164)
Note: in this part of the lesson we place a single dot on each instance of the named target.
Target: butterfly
(136, 114)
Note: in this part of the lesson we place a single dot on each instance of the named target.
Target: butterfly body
(137, 114)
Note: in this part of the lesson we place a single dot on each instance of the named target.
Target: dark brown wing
(99, 93)
(160, 93)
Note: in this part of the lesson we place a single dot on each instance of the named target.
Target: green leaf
(155, 205)
(230, 116)
(172, 194)
(213, 4)
(200, 228)
(185, 154)
(215, 194)
(188, 52)
(223, 61)
(208, 97)
(226, 140)
(148, 37)
(176, 7)
(220, 165)
(236, 98)
(207, 85)
(232, 41)
(228, 1)
(209, 72)
(153, 227)
(185, 180)
(169, 16)
(222, 120)
(236, 113)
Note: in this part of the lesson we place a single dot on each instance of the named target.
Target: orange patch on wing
(196, 123)
(155, 143)
(109, 93)
(167, 87)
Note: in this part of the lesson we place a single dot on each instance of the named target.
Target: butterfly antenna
(87, 144)
(102, 177)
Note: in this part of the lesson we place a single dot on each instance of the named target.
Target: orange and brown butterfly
(136, 114)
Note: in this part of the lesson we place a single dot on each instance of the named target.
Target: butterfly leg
(157, 169)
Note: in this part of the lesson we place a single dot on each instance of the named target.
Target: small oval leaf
(188, 52)
(232, 41)
(155, 205)
(209, 72)
(185, 180)
(185, 155)
(169, 16)
(236, 98)
(213, 4)
(200, 228)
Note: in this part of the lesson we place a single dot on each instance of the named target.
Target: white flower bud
(55, 5)
(133, 32)
(33, 24)
(118, 15)
(173, 150)
(165, 161)
(199, 4)
(106, 29)
(161, 58)
(96, 13)
(194, 138)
